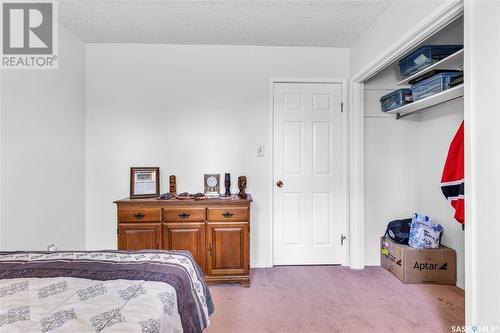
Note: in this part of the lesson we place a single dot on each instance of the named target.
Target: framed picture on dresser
(144, 182)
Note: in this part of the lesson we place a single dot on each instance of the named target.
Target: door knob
(279, 183)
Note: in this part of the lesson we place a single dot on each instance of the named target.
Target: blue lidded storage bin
(395, 99)
(425, 56)
(433, 85)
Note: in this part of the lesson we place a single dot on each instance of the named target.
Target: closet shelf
(452, 62)
(444, 96)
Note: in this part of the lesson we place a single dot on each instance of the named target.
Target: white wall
(1, 145)
(399, 18)
(189, 110)
(42, 153)
(391, 185)
(436, 129)
(482, 176)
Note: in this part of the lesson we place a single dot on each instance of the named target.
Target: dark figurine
(166, 196)
(242, 185)
(227, 184)
(173, 185)
(199, 196)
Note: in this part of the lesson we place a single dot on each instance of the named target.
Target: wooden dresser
(215, 231)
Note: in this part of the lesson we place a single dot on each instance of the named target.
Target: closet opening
(410, 148)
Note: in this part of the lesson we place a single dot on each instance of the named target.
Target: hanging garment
(452, 181)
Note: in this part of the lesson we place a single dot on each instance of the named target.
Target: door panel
(139, 236)
(186, 236)
(308, 160)
(293, 142)
(292, 203)
(322, 138)
(321, 219)
(227, 248)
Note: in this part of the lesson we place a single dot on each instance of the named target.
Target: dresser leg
(245, 283)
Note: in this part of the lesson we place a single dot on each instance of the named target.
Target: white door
(308, 194)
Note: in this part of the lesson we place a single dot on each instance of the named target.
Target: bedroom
(190, 87)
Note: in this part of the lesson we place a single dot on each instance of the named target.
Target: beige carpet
(334, 299)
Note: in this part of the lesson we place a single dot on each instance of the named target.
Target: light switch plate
(260, 151)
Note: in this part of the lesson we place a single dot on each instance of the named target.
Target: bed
(102, 291)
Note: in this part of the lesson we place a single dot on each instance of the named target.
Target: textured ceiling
(286, 23)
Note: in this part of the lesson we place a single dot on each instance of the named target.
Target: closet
(406, 149)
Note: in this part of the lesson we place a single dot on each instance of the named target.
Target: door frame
(344, 151)
(434, 22)
(438, 19)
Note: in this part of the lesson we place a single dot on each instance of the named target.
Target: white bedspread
(57, 298)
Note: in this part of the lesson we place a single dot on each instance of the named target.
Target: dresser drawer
(139, 215)
(180, 214)
(231, 214)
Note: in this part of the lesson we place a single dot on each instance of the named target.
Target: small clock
(212, 184)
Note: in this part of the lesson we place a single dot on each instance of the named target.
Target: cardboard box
(419, 265)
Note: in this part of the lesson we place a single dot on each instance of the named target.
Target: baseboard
(260, 266)
(373, 262)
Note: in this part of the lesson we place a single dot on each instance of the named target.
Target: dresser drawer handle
(227, 215)
(184, 215)
(139, 216)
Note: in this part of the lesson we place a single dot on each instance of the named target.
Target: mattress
(102, 291)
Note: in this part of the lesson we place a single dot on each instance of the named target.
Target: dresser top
(233, 200)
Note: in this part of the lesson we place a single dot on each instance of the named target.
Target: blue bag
(423, 233)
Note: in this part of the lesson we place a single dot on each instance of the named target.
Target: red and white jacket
(452, 181)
